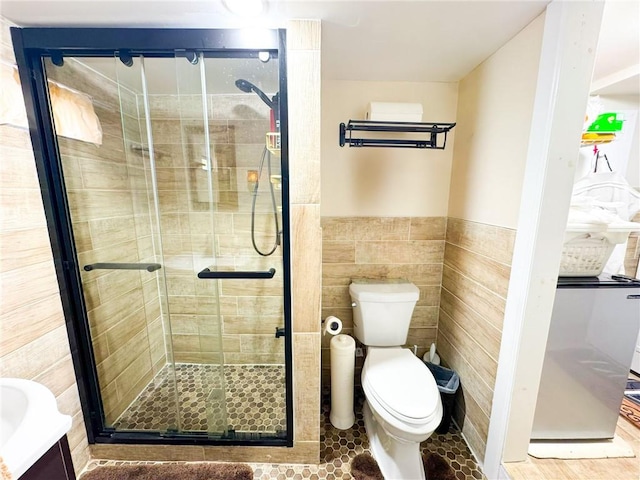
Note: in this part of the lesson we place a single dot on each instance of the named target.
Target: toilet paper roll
(332, 326)
(343, 348)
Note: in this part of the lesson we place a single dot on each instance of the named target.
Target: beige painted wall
(495, 106)
(384, 182)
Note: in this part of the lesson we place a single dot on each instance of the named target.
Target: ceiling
(617, 67)
(377, 40)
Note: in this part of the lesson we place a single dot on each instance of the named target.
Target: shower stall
(162, 156)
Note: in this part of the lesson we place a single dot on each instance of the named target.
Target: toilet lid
(401, 383)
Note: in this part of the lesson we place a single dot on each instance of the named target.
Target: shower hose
(265, 155)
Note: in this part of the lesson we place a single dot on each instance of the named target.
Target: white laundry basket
(587, 247)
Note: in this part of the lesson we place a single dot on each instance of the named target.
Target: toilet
(403, 406)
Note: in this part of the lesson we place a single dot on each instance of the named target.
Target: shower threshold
(254, 395)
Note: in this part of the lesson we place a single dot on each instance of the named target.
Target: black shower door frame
(32, 46)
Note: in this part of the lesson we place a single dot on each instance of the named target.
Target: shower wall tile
(383, 248)
(15, 172)
(100, 347)
(252, 324)
(104, 232)
(429, 295)
(247, 131)
(341, 252)
(428, 228)
(261, 344)
(109, 203)
(307, 35)
(237, 129)
(304, 125)
(168, 155)
(111, 150)
(306, 241)
(488, 240)
(341, 273)
(411, 252)
(306, 352)
(483, 270)
(260, 306)
(233, 358)
(167, 453)
(21, 208)
(472, 321)
(116, 363)
(88, 205)
(25, 322)
(238, 107)
(125, 329)
(24, 247)
(485, 302)
(477, 266)
(34, 279)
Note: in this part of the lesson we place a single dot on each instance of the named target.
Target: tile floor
(338, 447)
(255, 400)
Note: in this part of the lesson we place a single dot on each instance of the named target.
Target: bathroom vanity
(54, 464)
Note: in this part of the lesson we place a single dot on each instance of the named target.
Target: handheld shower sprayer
(274, 106)
(248, 87)
(273, 102)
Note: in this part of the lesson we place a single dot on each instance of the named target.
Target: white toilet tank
(382, 311)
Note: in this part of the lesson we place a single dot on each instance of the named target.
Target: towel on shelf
(73, 113)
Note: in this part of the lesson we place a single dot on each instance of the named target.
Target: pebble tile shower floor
(337, 447)
(254, 396)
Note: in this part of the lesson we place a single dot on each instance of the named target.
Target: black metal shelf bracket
(149, 267)
(433, 131)
(208, 274)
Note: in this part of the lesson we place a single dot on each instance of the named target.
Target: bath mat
(616, 448)
(632, 391)
(630, 411)
(172, 471)
(364, 467)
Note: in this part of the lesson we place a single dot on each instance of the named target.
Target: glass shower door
(177, 223)
(105, 170)
(175, 108)
(245, 167)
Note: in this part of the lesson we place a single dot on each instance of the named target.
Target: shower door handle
(206, 273)
(149, 267)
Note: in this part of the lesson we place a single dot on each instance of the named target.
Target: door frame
(564, 78)
(31, 45)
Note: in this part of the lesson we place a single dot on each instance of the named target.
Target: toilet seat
(401, 390)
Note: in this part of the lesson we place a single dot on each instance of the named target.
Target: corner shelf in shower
(436, 134)
(273, 143)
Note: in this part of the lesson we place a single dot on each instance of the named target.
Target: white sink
(30, 423)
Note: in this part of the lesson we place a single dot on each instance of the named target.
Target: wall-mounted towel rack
(436, 134)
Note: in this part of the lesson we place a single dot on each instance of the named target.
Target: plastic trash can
(448, 382)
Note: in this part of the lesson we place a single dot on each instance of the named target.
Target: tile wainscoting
(477, 266)
(410, 248)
